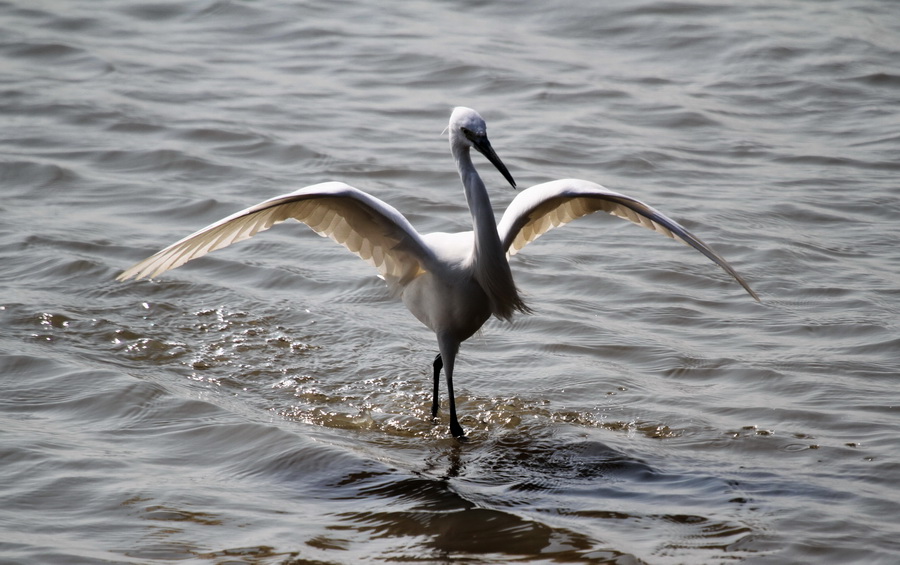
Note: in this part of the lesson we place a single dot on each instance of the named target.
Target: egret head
(468, 129)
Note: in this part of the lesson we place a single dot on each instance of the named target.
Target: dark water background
(269, 404)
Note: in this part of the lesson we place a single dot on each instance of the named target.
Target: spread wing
(537, 210)
(367, 226)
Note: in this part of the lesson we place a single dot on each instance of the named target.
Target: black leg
(455, 429)
(435, 401)
(449, 347)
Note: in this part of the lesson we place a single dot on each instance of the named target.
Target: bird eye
(467, 133)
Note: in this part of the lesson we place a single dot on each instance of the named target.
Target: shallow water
(270, 403)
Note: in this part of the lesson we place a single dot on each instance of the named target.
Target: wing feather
(538, 209)
(365, 225)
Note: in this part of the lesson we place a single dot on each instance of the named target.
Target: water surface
(270, 403)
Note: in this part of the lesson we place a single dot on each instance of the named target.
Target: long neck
(491, 268)
(487, 241)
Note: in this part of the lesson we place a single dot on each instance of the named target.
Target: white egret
(451, 282)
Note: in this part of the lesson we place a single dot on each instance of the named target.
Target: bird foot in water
(455, 429)
(458, 431)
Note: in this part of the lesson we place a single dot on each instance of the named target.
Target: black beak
(483, 146)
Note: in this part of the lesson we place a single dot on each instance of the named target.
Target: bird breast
(450, 301)
(456, 308)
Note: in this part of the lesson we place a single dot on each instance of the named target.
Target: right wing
(365, 225)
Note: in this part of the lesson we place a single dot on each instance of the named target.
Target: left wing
(539, 209)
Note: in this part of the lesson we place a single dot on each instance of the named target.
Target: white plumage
(451, 282)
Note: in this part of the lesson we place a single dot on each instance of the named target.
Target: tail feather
(496, 280)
